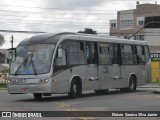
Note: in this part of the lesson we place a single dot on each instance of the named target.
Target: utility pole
(12, 38)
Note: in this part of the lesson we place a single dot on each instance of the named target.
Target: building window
(139, 37)
(141, 22)
(126, 23)
(113, 25)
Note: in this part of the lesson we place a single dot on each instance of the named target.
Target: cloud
(73, 4)
(56, 20)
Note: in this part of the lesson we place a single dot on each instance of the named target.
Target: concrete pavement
(156, 86)
(151, 85)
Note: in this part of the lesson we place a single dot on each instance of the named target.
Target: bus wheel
(74, 92)
(131, 87)
(37, 96)
(132, 84)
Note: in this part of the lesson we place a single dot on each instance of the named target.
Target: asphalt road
(142, 100)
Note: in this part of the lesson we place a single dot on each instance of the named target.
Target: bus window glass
(31, 58)
(76, 53)
(104, 54)
(91, 49)
(115, 53)
(63, 59)
(127, 54)
(147, 54)
(140, 55)
(134, 51)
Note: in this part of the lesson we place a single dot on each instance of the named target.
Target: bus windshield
(32, 59)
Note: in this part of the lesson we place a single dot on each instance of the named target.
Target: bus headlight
(44, 81)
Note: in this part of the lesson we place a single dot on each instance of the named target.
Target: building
(130, 21)
(3, 60)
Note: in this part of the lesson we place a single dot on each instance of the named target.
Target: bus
(70, 63)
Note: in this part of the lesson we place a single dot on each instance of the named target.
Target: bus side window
(76, 52)
(61, 60)
(104, 53)
(134, 52)
(147, 53)
(127, 54)
(140, 55)
(116, 54)
(92, 53)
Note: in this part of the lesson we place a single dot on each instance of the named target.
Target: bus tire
(37, 96)
(132, 84)
(74, 90)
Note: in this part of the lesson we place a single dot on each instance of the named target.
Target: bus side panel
(118, 77)
(62, 79)
(138, 70)
(60, 82)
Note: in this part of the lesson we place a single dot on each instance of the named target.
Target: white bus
(70, 63)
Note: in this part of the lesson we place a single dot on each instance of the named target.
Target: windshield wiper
(21, 65)
(33, 65)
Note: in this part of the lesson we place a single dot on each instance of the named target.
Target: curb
(148, 87)
(3, 88)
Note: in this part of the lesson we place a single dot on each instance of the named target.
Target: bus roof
(52, 38)
(44, 38)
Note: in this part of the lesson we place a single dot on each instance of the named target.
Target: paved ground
(142, 100)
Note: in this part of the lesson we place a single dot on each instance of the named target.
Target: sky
(58, 16)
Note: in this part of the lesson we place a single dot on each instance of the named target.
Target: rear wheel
(37, 96)
(132, 85)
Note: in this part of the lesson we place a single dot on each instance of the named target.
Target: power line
(62, 9)
(79, 13)
(35, 32)
(15, 31)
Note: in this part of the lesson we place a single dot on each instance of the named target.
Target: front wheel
(37, 96)
(75, 90)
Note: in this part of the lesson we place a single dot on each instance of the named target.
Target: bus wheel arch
(75, 87)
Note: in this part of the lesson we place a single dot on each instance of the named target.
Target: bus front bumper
(28, 89)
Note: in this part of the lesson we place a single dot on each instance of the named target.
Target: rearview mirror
(11, 54)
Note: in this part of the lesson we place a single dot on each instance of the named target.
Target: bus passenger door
(93, 81)
(116, 77)
(105, 66)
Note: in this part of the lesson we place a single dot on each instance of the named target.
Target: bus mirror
(60, 51)
(11, 54)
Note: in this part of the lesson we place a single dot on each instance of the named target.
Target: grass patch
(3, 85)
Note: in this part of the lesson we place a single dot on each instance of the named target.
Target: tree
(88, 31)
(2, 40)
